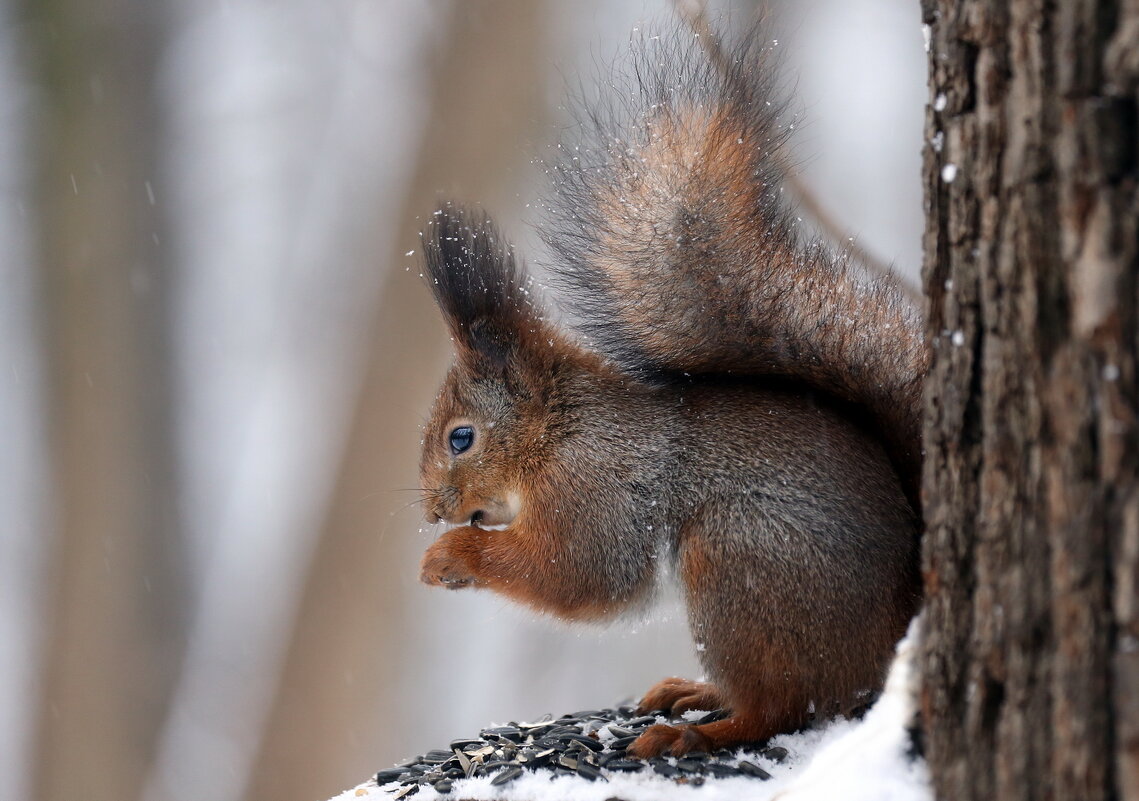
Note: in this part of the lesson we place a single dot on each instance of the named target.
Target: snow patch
(844, 760)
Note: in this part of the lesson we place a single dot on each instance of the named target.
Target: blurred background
(216, 352)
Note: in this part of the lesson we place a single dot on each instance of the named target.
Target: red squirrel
(727, 398)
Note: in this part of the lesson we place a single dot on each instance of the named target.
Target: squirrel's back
(678, 252)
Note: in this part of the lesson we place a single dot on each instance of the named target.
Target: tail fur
(680, 255)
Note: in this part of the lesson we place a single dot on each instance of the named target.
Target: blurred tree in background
(115, 615)
(465, 152)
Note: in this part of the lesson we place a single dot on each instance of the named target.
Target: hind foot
(677, 696)
(680, 740)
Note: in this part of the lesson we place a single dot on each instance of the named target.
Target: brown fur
(743, 408)
(680, 256)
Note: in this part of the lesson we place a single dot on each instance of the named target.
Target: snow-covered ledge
(870, 759)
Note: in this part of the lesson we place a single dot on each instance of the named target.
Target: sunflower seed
(587, 771)
(641, 722)
(508, 775)
(542, 721)
(390, 775)
(588, 742)
(624, 742)
(776, 754)
(713, 716)
(625, 765)
(502, 733)
(751, 769)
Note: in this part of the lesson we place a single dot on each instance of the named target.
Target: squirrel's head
(492, 422)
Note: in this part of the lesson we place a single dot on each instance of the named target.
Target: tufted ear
(482, 292)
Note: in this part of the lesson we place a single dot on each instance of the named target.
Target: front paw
(447, 565)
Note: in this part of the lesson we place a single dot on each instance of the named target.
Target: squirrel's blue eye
(461, 439)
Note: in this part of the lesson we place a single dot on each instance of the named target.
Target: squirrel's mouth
(478, 522)
(479, 525)
(492, 515)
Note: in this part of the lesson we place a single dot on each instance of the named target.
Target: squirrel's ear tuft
(479, 287)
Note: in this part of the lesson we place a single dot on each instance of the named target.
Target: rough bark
(1031, 488)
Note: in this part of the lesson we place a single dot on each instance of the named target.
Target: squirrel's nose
(493, 512)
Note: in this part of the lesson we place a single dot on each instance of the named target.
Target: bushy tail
(681, 256)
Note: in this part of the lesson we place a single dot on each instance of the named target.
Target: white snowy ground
(845, 760)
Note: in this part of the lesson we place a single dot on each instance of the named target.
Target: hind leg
(758, 669)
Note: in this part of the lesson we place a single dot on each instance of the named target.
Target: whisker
(405, 507)
(391, 517)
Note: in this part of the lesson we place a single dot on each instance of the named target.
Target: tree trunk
(1031, 487)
